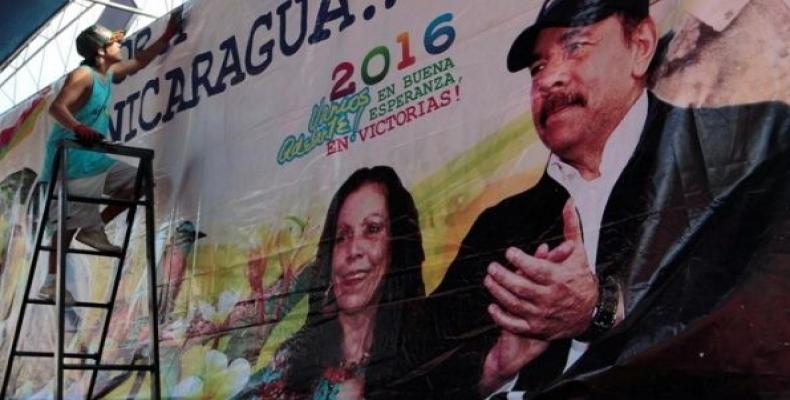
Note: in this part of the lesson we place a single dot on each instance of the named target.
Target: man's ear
(644, 40)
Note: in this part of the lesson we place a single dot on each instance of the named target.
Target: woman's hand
(510, 353)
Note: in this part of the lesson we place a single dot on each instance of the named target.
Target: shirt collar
(617, 151)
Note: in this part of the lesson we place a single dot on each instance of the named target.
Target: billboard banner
(399, 199)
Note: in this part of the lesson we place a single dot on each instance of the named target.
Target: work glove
(175, 24)
(87, 135)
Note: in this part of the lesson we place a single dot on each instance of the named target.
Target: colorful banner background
(264, 108)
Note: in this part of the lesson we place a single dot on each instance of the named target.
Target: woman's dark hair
(318, 344)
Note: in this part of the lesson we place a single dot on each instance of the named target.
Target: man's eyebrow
(564, 39)
(535, 57)
(572, 34)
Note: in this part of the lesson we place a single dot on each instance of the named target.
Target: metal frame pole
(151, 256)
(61, 274)
(122, 7)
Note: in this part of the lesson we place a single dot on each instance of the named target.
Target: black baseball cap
(95, 37)
(568, 13)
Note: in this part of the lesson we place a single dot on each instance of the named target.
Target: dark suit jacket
(702, 203)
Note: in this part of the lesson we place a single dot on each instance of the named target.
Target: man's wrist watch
(605, 311)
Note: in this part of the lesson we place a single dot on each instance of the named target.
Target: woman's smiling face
(361, 255)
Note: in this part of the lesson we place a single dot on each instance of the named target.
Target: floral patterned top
(269, 382)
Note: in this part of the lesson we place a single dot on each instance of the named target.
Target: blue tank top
(94, 114)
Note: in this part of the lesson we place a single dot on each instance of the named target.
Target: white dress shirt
(591, 196)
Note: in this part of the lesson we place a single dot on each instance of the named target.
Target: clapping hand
(513, 351)
(549, 295)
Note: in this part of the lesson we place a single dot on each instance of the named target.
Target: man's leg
(110, 212)
(79, 215)
(53, 255)
(47, 290)
(117, 182)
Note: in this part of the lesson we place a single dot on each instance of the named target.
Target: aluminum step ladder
(143, 189)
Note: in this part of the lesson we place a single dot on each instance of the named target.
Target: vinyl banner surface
(359, 199)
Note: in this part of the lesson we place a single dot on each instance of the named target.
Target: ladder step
(109, 367)
(104, 201)
(84, 304)
(114, 254)
(45, 354)
(145, 155)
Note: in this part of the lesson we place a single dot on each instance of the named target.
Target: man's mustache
(556, 101)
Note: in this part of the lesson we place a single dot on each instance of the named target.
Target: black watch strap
(606, 310)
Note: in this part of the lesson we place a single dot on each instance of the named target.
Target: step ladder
(143, 189)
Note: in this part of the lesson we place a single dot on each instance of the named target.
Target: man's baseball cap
(564, 14)
(95, 37)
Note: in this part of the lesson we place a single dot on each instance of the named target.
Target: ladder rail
(60, 292)
(153, 315)
(130, 215)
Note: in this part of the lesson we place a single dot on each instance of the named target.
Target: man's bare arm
(71, 97)
(143, 57)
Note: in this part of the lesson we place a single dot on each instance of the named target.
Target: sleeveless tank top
(94, 114)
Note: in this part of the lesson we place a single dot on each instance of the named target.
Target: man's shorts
(117, 182)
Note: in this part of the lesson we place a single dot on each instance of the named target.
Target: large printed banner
(319, 169)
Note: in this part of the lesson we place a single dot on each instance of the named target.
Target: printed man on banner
(647, 217)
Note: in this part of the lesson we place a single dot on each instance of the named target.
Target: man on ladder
(87, 173)
(81, 109)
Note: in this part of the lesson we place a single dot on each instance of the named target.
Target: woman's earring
(325, 307)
